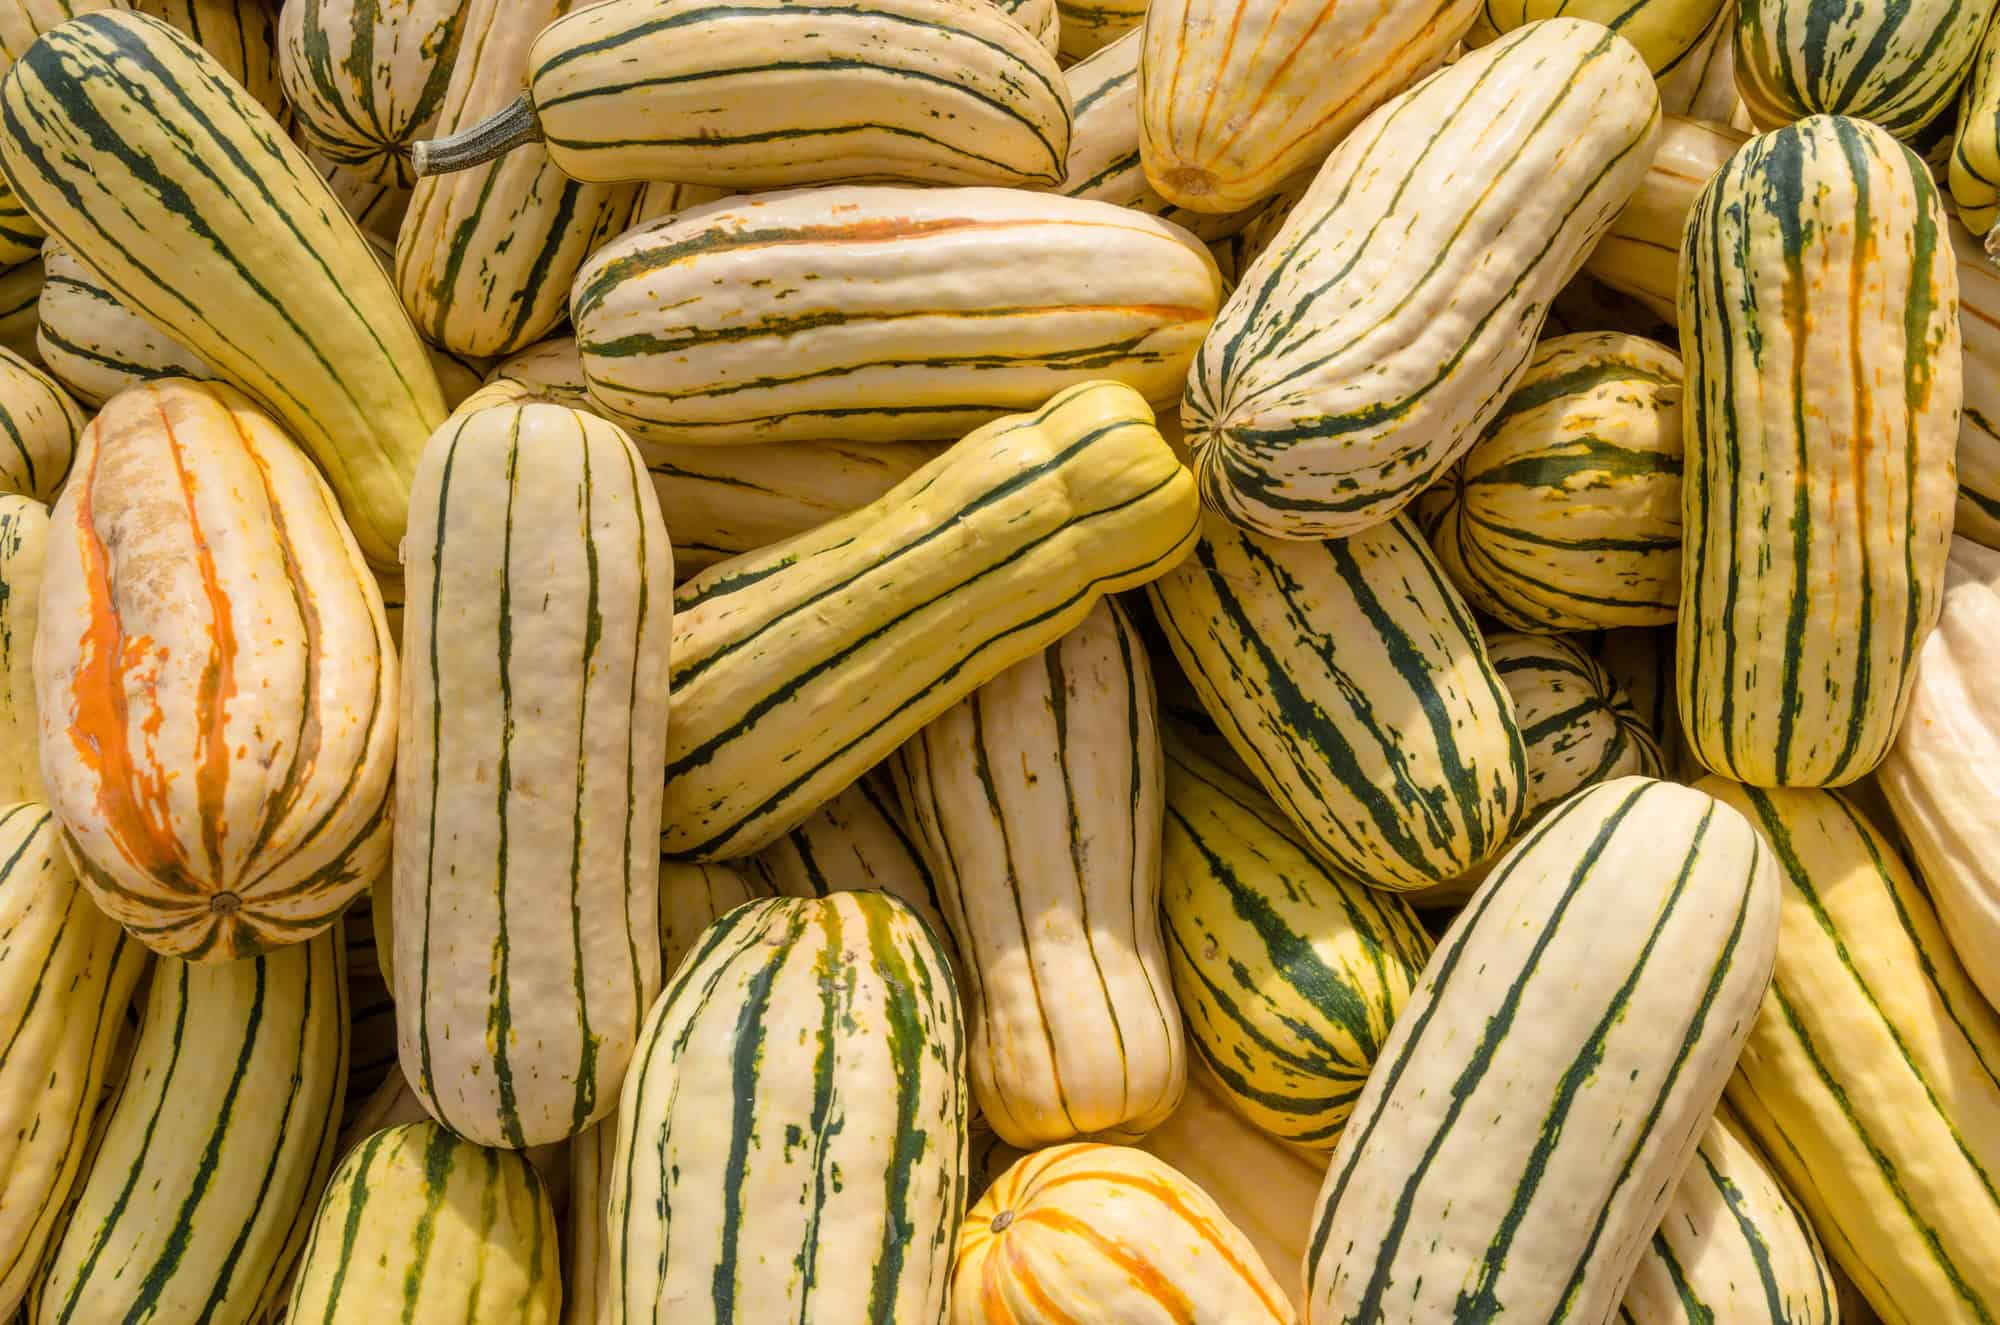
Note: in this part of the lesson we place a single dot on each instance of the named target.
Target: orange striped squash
(215, 680)
(1088, 1232)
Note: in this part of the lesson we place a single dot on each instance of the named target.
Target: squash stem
(494, 136)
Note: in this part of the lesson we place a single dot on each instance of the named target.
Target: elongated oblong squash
(94, 344)
(1897, 65)
(448, 1232)
(843, 642)
(1640, 254)
(798, 1101)
(1571, 1036)
(1819, 326)
(217, 1148)
(1872, 1075)
(1665, 32)
(1578, 727)
(24, 544)
(236, 244)
(1039, 799)
(226, 787)
(366, 79)
(795, 316)
(21, 22)
(39, 424)
(1311, 415)
(1290, 975)
(1566, 513)
(241, 34)
(66, 977)
(528, 792)
(1978, 514)
(1237, 97)
(1350, 679)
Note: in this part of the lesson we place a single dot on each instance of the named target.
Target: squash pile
(999, 662)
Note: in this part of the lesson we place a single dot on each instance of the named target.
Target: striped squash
(1640, 254)
(1566, 513)
(1641, 663)
(371, 1039)
(1703, 85)
(226, 791)
(242, 35)
(659, 198)
(1579, 728)
(236, 245)
(376, 206)
(1045, 292)
(92, 342)
(1350, 679)
(1823, 395)
(1570, 1038)
(1734, 1246)
(1038, 799)
(423, 1222)
(798, 1096)
(367, 78)
(66, 978)
(394, 1104)
(39, 425)
(1974, 174)
(1099, 1232)
(1501, 172)
(1088, 26)
(20, 291)
(201, 1218)
(695, 896)
(528, 794)
(1237, 96)
(1896, 63)
(24, 544)
(485, 257)
(1041, 18)
(980, 559)
(1291, 975)
(1667, 33)
(1872, 1075)
(1978, 510)
(856, 842)
(1263, 1186)
(760, 94)
(21, 22)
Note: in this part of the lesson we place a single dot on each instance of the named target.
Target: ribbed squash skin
(1870, 1076)
(798, 1099)
(24, 543)
(20, 289)
(1045, 292)
(39, 424)
(1290, 975)
(1579, 728)
(658, 198)
(366, 78)
(1640, 254)
(528, 793)
(92, 343)
(1734, 1246)
(1978, 513)
(225, 791)
(217, 1148)
(1819, 327)
(376, 206)
(66, 977)
(1570, 1038)
(1038, 799)
(757, 94)
(21, 22)
(1666, 33)
(1350, 679)
(236, 245)
(1566, 513)
(1315, 418)
(1975, 154)
(695, 896)
(1898, 65)
(1237, 98)
(241, 34)
(1946, 762)
(978, 560)
(485, 256)
(421, 1222)
(1099, 1232)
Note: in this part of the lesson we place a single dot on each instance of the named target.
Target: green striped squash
(1974, 174)
(1350, 679)
(658, 198)
(798, 1096)
(1313, 417)
(1038, 798)
(1088, 26)
(1820, 329)
(1579, 728)
(217, 1148)
(21, 22)
(447, 1232)
(1566, 513)
(1640, 254)
(694, 896)
(235, 244)
(790, 313)
(1569, 1039)
(366, 78)
(1641, 663)
(1703, 85)
(528, 793)
(242, 35)
(66, 978)
(1978, 510)
(24, 543)
(1734, 1246)
(376, 206)
(980, 559)
(1872, 1074)
(20, 291)
(92, 342)
(1041, 18)
(1290, 974)
(1667, 33)
(484, 257)
(1896, 63)
(39, 425)
(371, 1040)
